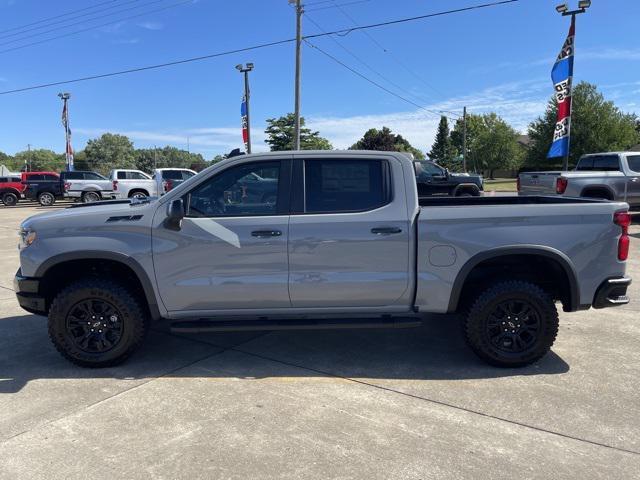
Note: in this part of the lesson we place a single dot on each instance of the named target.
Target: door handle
(266, 233)
(386, 230)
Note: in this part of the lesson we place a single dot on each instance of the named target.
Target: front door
(231, 250)
(348, 239)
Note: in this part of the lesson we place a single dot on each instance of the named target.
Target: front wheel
(46, 199)
(512, 324)
(90, 197)
(96, 323)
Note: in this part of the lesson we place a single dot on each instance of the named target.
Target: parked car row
(88, 187)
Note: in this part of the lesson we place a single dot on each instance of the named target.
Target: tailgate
(538, 183)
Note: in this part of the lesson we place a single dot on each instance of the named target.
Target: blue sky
(495, 59)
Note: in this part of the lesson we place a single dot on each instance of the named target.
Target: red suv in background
(11, 188)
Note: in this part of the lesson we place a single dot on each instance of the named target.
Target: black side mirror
(175, 214)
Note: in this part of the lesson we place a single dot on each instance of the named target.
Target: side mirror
(175, 214)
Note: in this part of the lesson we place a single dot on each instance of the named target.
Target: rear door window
(172, 174)
(345, 185)
(50, 178)
(73, 175)
(601, 163)
(634, 163)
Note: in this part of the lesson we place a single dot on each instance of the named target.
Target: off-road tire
(134, 321)
(482, 312)
(9, 199)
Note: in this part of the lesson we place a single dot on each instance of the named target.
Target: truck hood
(94, 214)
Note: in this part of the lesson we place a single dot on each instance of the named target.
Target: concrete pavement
(331, 404)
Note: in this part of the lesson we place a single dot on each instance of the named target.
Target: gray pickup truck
(610, 176)
(347, 243)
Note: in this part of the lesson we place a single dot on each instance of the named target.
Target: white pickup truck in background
(138, 184)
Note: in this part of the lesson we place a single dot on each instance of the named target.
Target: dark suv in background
(432, 179)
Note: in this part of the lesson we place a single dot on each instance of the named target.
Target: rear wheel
(96, 323)
(46, 199)
(512, 324)
(139, 194)
(90, 197)
(9, 199)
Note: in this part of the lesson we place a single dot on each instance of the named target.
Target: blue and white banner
(562, 77)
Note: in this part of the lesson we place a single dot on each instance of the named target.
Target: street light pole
(464, 139)
(563, 9)
(247, 94)
(67, 132)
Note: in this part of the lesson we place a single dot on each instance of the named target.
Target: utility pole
(464, 139)
(28, 161)
(563, 9)
(246, 116)
(155, 157)
(296, 130)
(68, 151)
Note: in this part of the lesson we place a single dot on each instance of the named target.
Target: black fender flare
(532, 250)
(126, 260)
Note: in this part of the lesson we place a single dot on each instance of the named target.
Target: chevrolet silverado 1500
(346, 242)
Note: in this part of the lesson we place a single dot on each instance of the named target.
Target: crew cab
(132, 184)
(346, 243)
(610, 176)
(45, 187)
(11, 188)
(86, 186)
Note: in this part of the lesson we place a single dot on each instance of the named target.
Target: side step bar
(205, 325)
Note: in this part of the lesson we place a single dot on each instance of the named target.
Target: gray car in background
(609, 176)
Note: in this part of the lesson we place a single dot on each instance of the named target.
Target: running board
(198, 326)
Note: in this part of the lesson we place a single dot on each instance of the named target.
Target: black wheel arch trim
(466, 186)
(597, 187)
(533, 250)
(126, 260)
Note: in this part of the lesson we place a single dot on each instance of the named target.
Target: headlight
(27, 237)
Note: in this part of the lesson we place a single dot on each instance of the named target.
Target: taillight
(518, 184)
(67, 186)
(115, 185)
(561, 185)
(623, 220)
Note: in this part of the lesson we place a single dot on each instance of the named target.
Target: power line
(98, 26)
(338, 5)
(245, 49)
(67, 20)
(386, 50)
(57, 16)
(365, 64)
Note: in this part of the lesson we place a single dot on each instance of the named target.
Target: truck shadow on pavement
(435, 351)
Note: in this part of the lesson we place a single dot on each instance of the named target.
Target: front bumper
(27, 291)
(612, 293)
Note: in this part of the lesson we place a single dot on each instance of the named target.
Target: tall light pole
(464, 139)
(247, 94)
(563, 9)
(68, 152)
(296, 130)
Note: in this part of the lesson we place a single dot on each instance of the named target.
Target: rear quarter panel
(451, 236)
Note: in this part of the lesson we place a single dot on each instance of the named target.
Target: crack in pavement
(416, 397)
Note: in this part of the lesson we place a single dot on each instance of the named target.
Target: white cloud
(126, 41)
(151, 25)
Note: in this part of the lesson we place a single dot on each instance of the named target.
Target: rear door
(231, 250)
(348, 238)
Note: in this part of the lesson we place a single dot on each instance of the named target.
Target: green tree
(108, 152)
(475, 125)
(147, 159)
(496, 146)
(39, 159)
(597, 125)
(385, 140)
(279, 133)
(442, 150)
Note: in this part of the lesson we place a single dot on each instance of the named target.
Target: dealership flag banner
(68, 147)
(562, 76)
(243, 114)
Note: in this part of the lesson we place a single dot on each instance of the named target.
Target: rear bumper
(612, 293)
(27, 292)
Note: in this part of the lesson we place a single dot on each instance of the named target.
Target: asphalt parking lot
(405, 404)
